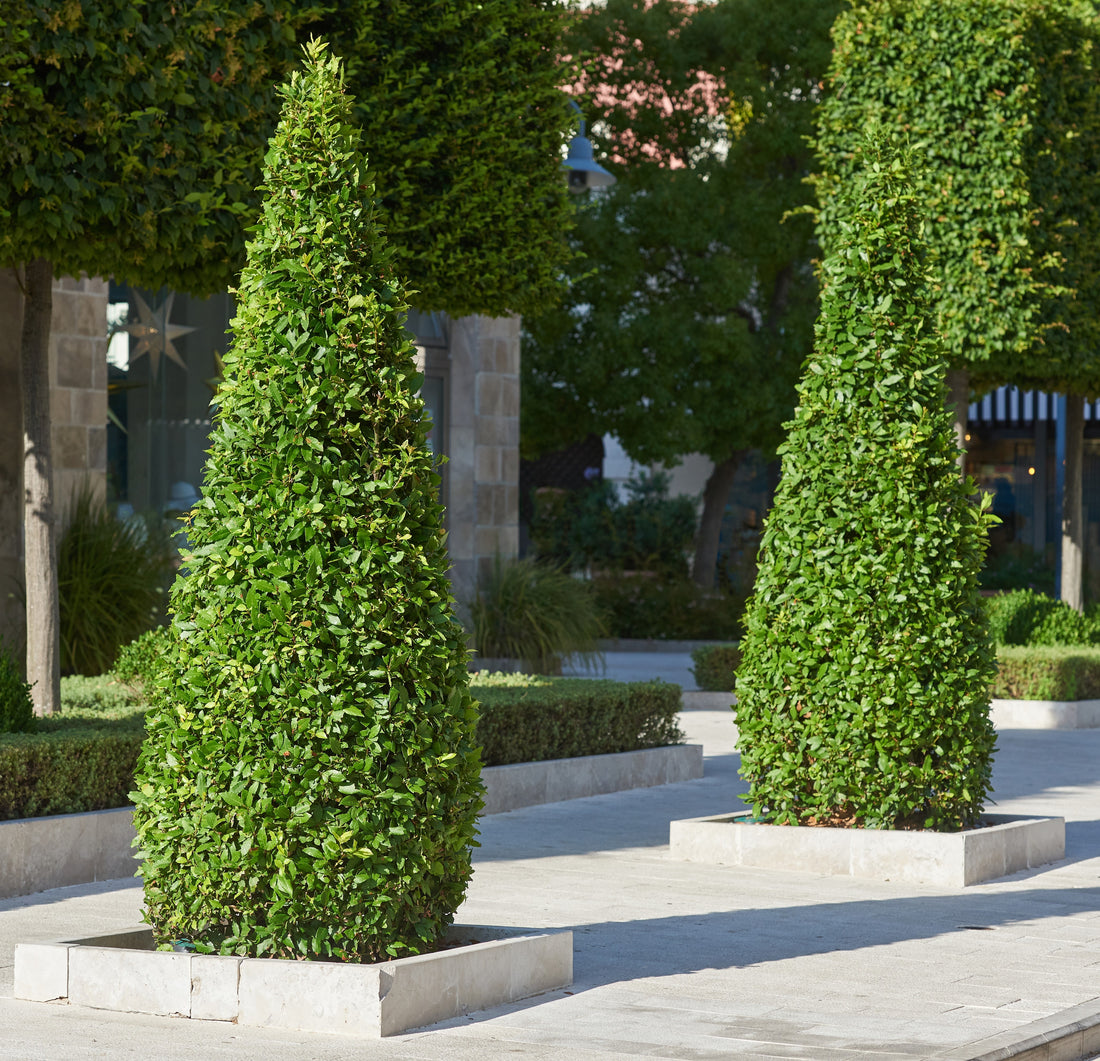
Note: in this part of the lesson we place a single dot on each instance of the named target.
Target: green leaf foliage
(535, 613)
(140, 663)
(81, 758)
(597, 528)
(16, 706)
(67, 773)
(131, 134)
(1047, 673)
(863, 690)
(310, 780)
(1001, 101)
(84, 756)
(524, 720)
(690, 306)
(1025, 617)
(715, 667)
(663, 606)
(464, 119)
(112, 580)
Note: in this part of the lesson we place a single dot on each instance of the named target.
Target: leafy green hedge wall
(463, 118)
(64, 773)
(1000, 100)
(1054, 673)
(1024, 617)
(563, 717)
(715, 667)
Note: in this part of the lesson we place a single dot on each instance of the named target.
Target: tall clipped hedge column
(310, 782)
(863, 691)
(1003, 100)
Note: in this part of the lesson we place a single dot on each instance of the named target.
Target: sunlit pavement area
(681, 960)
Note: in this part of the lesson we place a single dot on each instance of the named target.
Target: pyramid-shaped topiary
(863, 691)
(310, 783)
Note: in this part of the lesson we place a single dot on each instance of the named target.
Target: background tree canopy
(690, 306)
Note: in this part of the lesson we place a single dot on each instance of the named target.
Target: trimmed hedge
(16, 707)
(1047, 673)
(80, 759)
(83, 759)
(67, 772)
(715, 667)
(525, 719)
(1024, 617)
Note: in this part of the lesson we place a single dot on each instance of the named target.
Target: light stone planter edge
(1012, 843)
(122, 973)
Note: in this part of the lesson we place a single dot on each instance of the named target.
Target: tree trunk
(39, 529)
(958, 398)
(1073, 530)
(715, 495)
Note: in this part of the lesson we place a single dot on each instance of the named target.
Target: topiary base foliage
(863, 691)
(310, 782)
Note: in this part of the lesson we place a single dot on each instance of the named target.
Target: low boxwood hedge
(525, 719)
(715, 667)
(80, 759)
(1047, 673)
(83, 758)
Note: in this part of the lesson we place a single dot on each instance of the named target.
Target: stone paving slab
(680, 960)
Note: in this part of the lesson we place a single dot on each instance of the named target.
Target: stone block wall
(482, 475)
(78, 387)
(78, 397)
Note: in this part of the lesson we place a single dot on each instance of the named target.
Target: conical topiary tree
(863, 691)
(310, 782)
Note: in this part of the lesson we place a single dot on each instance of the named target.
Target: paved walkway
(685, 961)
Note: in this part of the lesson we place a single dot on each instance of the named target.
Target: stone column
(78, 388)
(483, 448)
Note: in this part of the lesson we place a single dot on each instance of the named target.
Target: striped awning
(1012, 407)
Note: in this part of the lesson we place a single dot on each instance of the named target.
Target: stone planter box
(1045, 714)
(526, 784)
(123, 973)
(37, 854)
(41, 853)
(952, 860)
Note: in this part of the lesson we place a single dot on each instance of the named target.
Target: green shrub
(141, 662)
(531, 612)
(111, 579)
(863, 690)
(1024, 617)
(97, 699)
(649, 531)
(310, 781)
(715, 667)
(82, 768)
(1047, 673)
(665, 607)
(529, 720)
(16, 706)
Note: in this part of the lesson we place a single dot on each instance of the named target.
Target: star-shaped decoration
(154, 334)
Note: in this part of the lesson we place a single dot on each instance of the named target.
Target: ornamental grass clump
(863, 689)
(310, 781)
